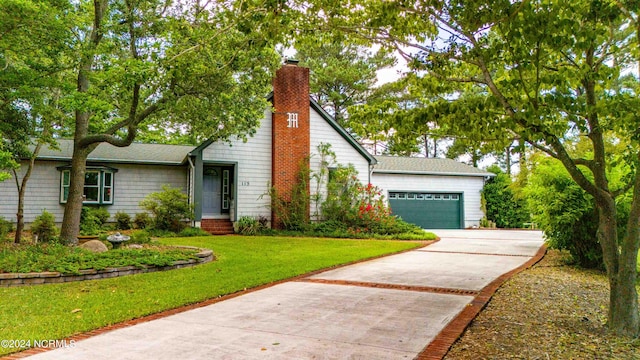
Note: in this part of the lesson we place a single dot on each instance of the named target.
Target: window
(225, 189)
(98, 185)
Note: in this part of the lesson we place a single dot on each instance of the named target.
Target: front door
(211, 191)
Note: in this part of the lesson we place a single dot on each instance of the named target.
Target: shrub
(170, 209)
(101, 214)
(329, 227)
(90, 223)
(500, 202)
(292, 214)
(5, 228)
(247, 225)
(564, 211)
(123, 221)
(361, 209)
(140, 237)
(142, 220)
(44, 227)
(193, 231)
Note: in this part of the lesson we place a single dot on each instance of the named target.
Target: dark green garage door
(428, 210)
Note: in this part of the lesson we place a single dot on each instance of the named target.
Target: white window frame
(65, 174)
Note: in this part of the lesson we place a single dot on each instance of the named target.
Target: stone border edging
(440, 345)
(39, 278)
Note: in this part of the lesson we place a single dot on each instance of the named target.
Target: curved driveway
(389, 308)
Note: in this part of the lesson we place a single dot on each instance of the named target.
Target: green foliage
(564, 211)
(140, 237)
(361, 209)
(142, 220)
(248, 225)
(292, 210)
(102, 214)
(123, 220)
(502, 206)
(5, 228)
(170, 209)
(342, 195)
(91, 221)
(44, 227)
(70, 260)
(343, 71)
(192, 232)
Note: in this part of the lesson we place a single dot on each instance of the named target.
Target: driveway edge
(439, 347)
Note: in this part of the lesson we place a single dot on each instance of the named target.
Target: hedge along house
(228, 180)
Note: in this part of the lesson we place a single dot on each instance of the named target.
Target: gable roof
(426, 166)
(138, 153)
(334, 124)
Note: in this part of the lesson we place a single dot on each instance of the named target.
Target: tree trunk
(426, 146)
(507, 159)
(22, 187)
(20, 216)
(73, 207)
(623, 318)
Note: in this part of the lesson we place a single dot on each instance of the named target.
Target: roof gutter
(409, 172)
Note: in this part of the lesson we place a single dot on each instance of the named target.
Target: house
(228, 180)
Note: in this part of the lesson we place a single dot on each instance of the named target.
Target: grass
(61, 310)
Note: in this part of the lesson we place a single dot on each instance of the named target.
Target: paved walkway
(394, 307)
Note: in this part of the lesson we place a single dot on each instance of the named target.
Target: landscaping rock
(95, 246)
(135, 246)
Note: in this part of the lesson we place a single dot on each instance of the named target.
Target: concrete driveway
(394, 307)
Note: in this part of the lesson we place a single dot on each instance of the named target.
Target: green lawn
(57, 311)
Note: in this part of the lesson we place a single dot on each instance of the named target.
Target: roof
(328, 118)
(138, 153)
(425, 166)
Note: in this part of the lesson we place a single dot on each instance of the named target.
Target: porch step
(217, 226)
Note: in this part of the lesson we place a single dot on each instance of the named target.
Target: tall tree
(550, 73)
(343, 71)
(203, 63)
(32, 50)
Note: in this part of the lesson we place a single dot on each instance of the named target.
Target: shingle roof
(425, 166)
(134, 153)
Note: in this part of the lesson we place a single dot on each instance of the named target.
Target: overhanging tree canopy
(550, 72)
(205, 65)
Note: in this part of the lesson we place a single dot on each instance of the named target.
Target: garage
(428, 210)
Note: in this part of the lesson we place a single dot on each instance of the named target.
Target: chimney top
(291, 62)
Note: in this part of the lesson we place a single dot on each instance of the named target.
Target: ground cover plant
(554, 310)
(60, 310)
(70, 260)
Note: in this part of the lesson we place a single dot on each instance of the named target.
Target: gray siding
(131, 184)
(254, 168)
(322, 132)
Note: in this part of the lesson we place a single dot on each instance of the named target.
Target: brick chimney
(290, 126)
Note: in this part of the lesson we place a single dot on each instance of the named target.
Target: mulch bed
(551, 311)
